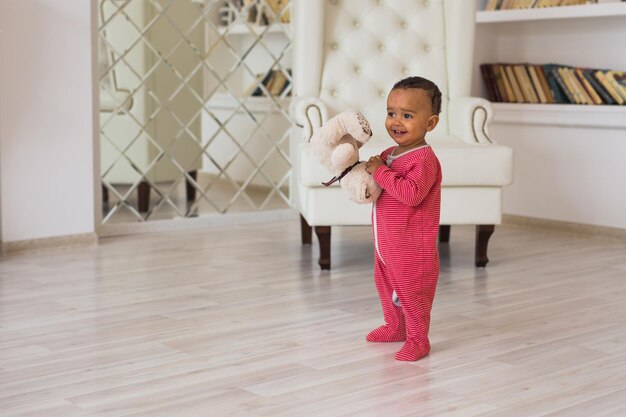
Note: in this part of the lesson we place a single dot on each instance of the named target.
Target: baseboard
(570, 227)
(119, 229)
(69, 241)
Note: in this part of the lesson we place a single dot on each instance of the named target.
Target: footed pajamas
(405, 221)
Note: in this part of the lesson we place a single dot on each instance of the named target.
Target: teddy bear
(336, 145)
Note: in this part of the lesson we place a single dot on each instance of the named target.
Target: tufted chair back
(353, 51)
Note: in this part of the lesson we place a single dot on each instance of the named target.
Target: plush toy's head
(336, 146)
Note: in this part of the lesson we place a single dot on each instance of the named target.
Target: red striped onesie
(405, 221)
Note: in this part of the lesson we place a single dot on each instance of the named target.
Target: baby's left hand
(373, 163)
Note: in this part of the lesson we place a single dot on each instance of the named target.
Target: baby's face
(409, 116)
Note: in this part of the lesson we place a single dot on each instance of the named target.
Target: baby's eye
(407, 116)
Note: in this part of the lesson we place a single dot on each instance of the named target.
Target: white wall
(46, 138)
(566, 174)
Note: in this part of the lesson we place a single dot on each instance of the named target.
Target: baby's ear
(432, 122)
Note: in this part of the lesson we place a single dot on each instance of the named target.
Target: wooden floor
(239, 321)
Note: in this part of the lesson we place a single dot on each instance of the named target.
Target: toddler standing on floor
(405, 218)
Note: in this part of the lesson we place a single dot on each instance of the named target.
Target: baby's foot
(413, 350)
(386, 334)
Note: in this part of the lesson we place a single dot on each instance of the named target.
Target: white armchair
(348, 54)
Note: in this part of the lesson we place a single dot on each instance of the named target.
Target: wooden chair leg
(190, 189)
(444, 233)
(305, 231)
(105, 195)
(143, 196)
(323, 236)
(483, 233)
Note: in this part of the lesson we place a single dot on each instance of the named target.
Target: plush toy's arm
(310, 113)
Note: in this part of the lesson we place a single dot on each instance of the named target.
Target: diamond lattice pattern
(193, 107)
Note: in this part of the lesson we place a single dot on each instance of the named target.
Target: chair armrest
(309, 113)
(469, 119)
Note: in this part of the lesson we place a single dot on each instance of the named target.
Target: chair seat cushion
(462, 164)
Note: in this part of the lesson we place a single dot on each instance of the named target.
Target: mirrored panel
(194, 98)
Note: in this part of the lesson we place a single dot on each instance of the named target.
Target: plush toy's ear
(359, 121)
(356, 125)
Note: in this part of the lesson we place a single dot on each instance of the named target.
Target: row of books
(276, 82)
(553, 83)
(259, 12)
(530, 4)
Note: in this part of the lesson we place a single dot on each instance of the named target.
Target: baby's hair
(424, 84)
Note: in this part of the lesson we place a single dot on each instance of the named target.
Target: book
(579, 90)
(252, 88)
(555, 86)
(603, 80)
(499, 82)
(606, 97)
(536, 83)
(563, 87)
(517, 91)
(525, 84)
(544, 83)
(620, 78)
(610, 75)
(490, 84)
(595, 97)
(508, 87)
(278, 83)
(277, 7)
(493, 5)
(266, 82)
(572, 85)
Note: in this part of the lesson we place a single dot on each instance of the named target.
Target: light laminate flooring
(239, 321)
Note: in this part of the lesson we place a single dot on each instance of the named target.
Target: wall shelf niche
(569, 115)
(586, 11)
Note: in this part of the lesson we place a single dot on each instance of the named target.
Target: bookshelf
(568, 158)
(259, 46)
(599, 117)
(253, 104)
(567, 35)
(245, 47)
(249, 29)
(587, 11)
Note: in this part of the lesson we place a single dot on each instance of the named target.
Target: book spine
(570, 87)
(580, 90)
(536, 83)
(506, 92)
(610, 75)
(603, 79)
(595, 98)
(491, 92)
(606, 97)
(519, 97)
(620, 78)
(563, 86)
(530, 89)
(544, 84)
(555, 87)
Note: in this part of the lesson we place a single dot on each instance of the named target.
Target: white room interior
(563, 218)
(47, 84)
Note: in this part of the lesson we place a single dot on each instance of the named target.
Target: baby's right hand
(373, 163)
